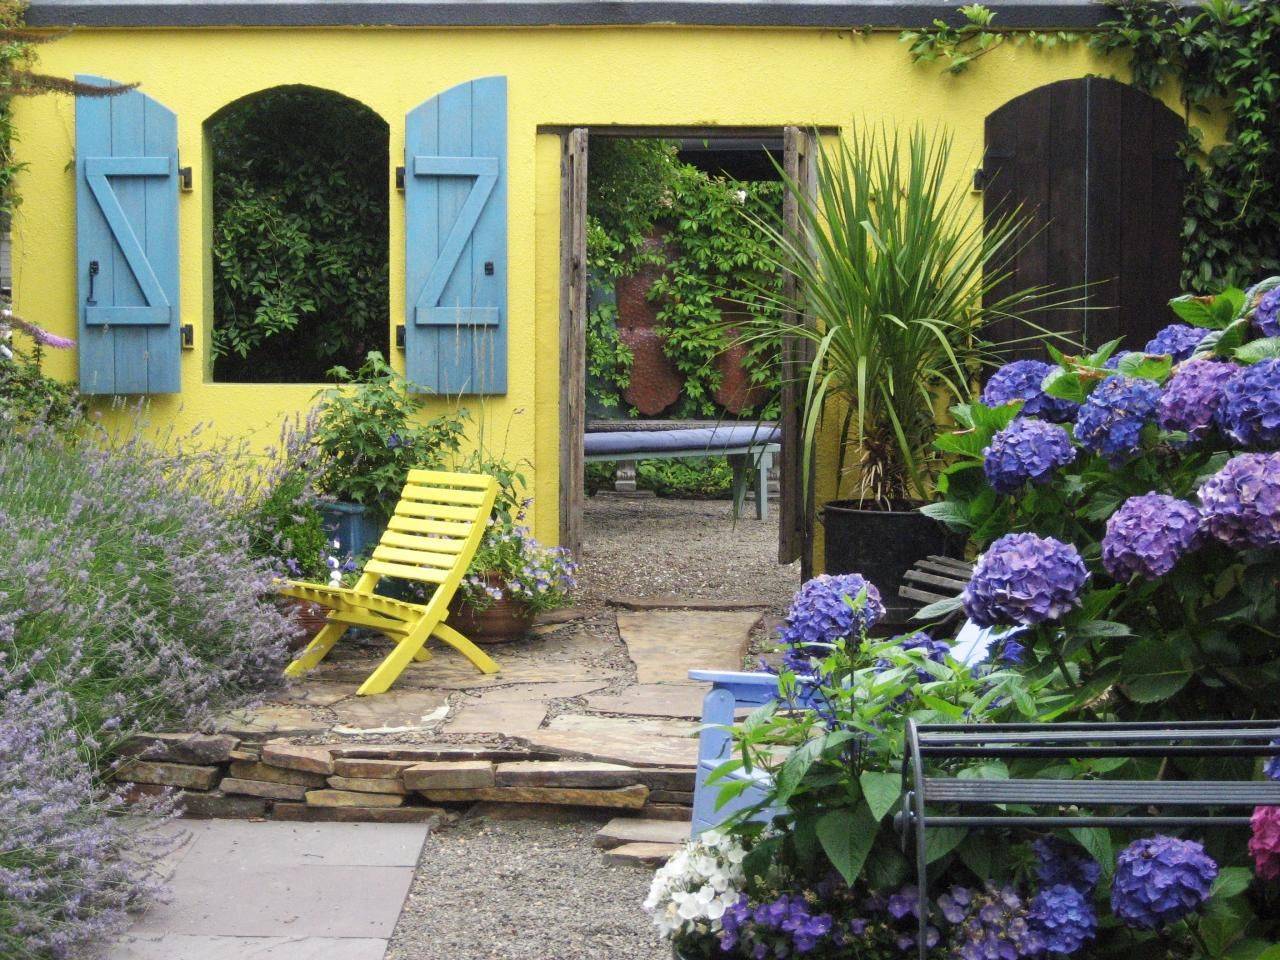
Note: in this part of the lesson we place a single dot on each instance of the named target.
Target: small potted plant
(512, 579)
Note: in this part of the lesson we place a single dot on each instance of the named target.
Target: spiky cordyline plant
(896, 270)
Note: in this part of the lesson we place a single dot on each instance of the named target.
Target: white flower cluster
(697, 885)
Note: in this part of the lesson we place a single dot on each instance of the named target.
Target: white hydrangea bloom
(695, 887)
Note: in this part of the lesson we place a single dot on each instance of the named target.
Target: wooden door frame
(574, 161)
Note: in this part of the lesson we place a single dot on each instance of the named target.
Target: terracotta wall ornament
(736, 392)
(655, 381)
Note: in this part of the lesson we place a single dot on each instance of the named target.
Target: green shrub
(709, 477)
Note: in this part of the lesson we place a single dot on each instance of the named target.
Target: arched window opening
(299, 244)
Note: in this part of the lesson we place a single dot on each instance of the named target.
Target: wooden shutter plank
(489, 239)
(96, 347)
(160, 195)
(573, 333)
(454, 352)
(128, 138)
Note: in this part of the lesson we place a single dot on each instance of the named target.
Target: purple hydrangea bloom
(820, 615)
(1241, 502)
(1148, 535)
(1026, 451)
(1064, 917)
(1178, 340)
(1021, 380)
(1250, 411)
(1193, 396)
(935, 650)
(1272, 767)
(1059, 862)
(1110, 422)
(1159, 881)
(1024, 579)
(1266, 315)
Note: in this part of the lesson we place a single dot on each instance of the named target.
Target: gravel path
(523, 890)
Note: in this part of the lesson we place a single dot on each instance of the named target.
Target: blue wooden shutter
(127, 243)
(456, 239)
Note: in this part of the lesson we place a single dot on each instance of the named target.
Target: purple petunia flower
(1241, 502)
(1250, 410)
(1022, 380)
(1266, 315)
(1160, 880)
(1026, 451)
(1024, 579)
(1059, 862)
(1064, 917)
(1178, 340)
(1193, 396)
(1148, 535)
(820, 615)
(1110, 422)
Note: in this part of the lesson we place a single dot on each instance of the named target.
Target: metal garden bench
(985, 803)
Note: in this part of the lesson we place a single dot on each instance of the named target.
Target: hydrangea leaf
(847, 838)
(1153, 672)
(1267, 348)
(1098, 842)
(1232, 882)
(939, 609)
(1066, 385)
(1145, 366)
(881, 791)
(1198, 311)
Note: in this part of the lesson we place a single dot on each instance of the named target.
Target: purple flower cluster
(1264, 842)
(757, 929)
(821, 613)
(1250, 410)
(1271, 768)
(992, 924)
(1266, 315)
(1241, 502)
(1024, 579)
(1148, 535)
(1110, 422)
(1022, 380)
(1193, 396)
(934, 650)
(1026, 451)
(1061, 863)
(1064, 917)
(1178, 340)
(1160, 880)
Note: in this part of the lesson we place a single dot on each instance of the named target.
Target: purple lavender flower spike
(1022, 380)
(1026, 451)
(1193, 396)
(1024, 579)
(1241, 502)
(1250, 410)
(1159, 881)
(1110, 422)
(1148, 535)
(1178, 340)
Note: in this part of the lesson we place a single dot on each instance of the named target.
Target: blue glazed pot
(353, 525)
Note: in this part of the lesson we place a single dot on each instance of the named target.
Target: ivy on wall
(710, 253)
(1224, 57)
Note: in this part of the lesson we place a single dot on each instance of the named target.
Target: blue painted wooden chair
(730, 690)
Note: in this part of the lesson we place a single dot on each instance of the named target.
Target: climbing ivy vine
(708, 254)
(1224, 57)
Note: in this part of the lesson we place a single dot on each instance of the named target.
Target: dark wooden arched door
(1093, 163)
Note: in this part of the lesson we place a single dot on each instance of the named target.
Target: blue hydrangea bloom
(1272, 767)
(1193, 396)
(1026, 451)
(1060, 862)
(1160, 880)
(935, 650)
(1250, 411)
(1266, 315)
(1241, 502)
(1064, 917)
(1024, 579)
(1021, 380)
(820, 615)
(1148, 535)
(1178, 340)
(1110, 422)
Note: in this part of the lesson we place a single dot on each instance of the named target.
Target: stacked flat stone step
(394, 783)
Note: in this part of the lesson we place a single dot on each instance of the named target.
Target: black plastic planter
(883, 545)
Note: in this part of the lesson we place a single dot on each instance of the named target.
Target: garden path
(285, 891)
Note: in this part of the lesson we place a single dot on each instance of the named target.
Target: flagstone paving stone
(680, 700)
(509, 717)
(622, 830)
(617, 740)
(271, 720)
(393, 710)
(666, 644)
(646, 854)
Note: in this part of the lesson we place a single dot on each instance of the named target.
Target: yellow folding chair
(431, 538)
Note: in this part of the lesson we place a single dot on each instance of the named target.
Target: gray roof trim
(845, 14)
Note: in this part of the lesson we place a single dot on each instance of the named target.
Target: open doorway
(665, 419)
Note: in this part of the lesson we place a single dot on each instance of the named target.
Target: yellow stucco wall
(580, 77)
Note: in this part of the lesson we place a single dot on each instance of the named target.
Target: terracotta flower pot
(310, 618)
(655, 381)
(500, 622)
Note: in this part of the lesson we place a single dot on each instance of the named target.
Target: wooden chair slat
(449, 545)
(439, 478)
(435, 511)
(470, 498)
(415, 557)
(405, 571)
(447, 528)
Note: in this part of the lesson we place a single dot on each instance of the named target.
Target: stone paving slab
(187, 947)
(637, 743)
(666, 644)
(501, 716)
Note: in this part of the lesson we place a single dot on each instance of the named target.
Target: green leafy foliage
(369, 435)
(648, 209)
(300, 226)
(959, 46)
(28, 395)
